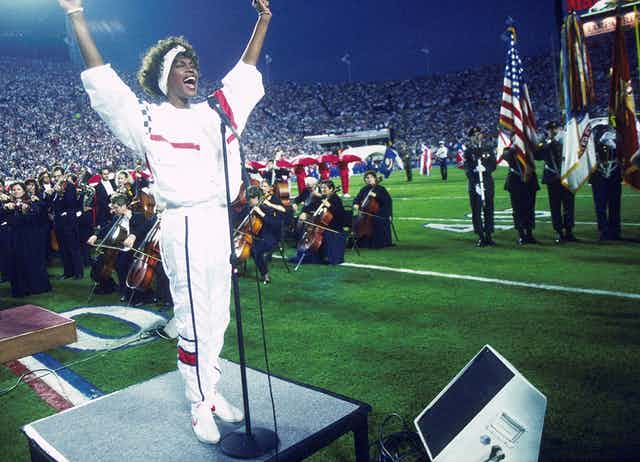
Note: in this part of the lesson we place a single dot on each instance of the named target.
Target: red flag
(578, 5)
(622, 109)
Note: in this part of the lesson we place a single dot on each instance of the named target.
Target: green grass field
(394, 340)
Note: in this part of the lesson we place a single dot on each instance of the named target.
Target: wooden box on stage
(30, 329)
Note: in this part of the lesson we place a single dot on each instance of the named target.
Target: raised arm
(252, 52)
(88, 48)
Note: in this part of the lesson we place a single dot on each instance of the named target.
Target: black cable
(404, 445)
(266, 360)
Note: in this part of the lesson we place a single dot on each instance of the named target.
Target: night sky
(307, 38)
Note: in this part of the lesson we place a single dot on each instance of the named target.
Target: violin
(367, 213)
(143, 268)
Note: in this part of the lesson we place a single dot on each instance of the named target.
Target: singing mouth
(190, 82)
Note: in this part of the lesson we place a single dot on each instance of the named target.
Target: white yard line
(439, 198)
(530, 285)
(468, 220)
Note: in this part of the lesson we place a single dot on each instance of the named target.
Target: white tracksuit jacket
(183, 149)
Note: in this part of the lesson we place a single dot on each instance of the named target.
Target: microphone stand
(253, 442)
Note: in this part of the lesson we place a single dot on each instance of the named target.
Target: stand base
(241, 445)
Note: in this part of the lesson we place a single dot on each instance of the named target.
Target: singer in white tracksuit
(182, 145)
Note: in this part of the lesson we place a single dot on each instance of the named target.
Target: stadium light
(347, 60)
(268, 59)
(427, 53)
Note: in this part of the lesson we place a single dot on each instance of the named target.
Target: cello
(145, 203)
(363, 223)
(281, 189)
(245, 234)
(314, 228)
(144, 266)
(109, 248)
(250, 226)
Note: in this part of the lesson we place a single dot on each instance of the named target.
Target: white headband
(167, 62)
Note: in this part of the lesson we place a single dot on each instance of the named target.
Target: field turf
(395, 339)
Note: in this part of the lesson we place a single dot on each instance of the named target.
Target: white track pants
(195, 255)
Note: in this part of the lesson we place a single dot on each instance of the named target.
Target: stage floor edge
(151, 421)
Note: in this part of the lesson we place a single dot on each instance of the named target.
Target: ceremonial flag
(504, 143)
(579, 154)
(578, 5)
(390, 158)
(622, 109)
(516, 112)
(426, 160)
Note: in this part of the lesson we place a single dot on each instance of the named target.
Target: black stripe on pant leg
(193, 315)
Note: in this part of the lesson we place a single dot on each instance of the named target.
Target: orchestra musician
(180, 140)
(305, 196)
(4, 235)
(27, 262)
(333, 244)
(136, 227)
(376, 213)
(268, 207)
(124, 184)
(46, 194)
(66, 210)
(274, 175)
(104, 190)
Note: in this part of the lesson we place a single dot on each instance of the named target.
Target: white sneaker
(203, 424)
(223, 409)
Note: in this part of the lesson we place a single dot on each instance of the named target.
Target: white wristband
(74, 11)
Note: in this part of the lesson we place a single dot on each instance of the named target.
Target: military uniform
(482, 213)
(561, 200)
(522, 187)
(606, 186)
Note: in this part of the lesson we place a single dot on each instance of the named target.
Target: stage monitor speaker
(488, 412)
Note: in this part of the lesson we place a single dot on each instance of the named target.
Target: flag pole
(637, 33)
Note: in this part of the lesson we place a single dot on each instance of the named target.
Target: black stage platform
(151, 421)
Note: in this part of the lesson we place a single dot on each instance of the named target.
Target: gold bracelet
(74, 11)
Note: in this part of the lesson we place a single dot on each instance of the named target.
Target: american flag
(516, 113)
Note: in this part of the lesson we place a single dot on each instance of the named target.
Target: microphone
(215, 105)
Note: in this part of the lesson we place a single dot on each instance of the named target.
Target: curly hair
(149, 71)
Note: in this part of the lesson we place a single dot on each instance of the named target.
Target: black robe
(381, 223)
(26, 256)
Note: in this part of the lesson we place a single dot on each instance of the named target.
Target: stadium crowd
(45, 117)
